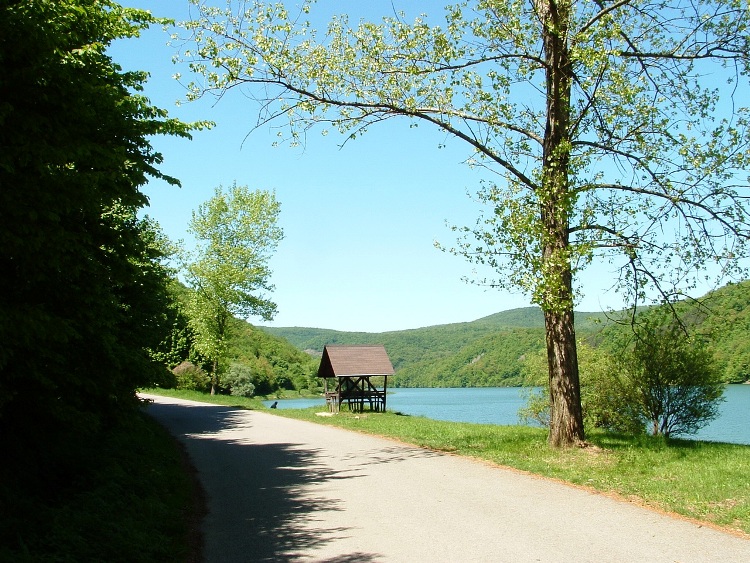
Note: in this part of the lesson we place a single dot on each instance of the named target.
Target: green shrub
(596, 372)
(191, 377)
(239, 380)
(668, 379)
(662, 379)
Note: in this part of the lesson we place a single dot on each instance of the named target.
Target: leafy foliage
(668, 378)
(237, 234)
(239, 379)
(721, 319)
(655, 375)
(602, 398)
(493, 360)
(83, 292)
(191, 377)
(177, 344)
(274, 362)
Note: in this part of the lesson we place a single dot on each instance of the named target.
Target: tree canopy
(83, 288)
(237, 233)
(612, 131)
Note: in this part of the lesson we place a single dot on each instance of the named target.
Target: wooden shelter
(351, 369)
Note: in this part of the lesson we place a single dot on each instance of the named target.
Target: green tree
(609, 140)
(669, 380)
(229, 274)
(189, 376)
(83, 288)
(656, 376)
(239, 379)
(177, 344)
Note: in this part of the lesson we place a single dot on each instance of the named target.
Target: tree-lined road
(287, 490)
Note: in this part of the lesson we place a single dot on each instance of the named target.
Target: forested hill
(313, 339)
(484, 352)
(720, 318)
(489, 351)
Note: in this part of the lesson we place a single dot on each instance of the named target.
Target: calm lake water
(499, 405)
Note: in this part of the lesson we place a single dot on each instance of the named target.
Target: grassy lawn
(706, 481)
(230, 400)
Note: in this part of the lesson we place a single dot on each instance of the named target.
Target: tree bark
(566, 417)
(221, 329)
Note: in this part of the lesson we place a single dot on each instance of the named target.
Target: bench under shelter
(353, 375)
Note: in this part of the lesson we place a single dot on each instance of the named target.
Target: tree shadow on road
(261, 498)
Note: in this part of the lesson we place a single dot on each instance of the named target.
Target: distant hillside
(273, 359)
(725, 323)
(484, 352)
(490, 351)
(525, 317)
(721, 318)
(532, 317)
(313, 339)
(492, 360)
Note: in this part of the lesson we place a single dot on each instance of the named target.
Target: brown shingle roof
(339, 361)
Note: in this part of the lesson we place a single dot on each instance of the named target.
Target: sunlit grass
(251, 403)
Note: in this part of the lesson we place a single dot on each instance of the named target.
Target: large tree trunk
(214, 379)
(566, 416)
(566, 420)
(221, 329)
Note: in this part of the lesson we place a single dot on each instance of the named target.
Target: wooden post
(385, 390)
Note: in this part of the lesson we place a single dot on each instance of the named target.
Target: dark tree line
(83, 293)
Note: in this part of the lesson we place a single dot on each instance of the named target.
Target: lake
(499, 405)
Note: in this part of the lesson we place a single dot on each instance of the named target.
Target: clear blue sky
(359, 221)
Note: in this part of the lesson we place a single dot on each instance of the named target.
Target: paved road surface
(287, 490)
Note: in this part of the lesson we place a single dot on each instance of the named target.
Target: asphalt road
(287, 490)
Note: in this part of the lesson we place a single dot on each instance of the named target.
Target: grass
(120, 495)
(231, 400)
(253, 403)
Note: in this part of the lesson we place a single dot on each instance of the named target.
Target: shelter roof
(361, 360)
